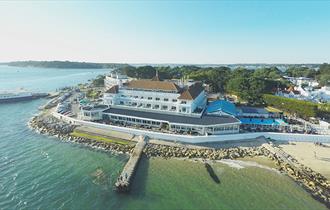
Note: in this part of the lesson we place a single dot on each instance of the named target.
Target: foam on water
(240, 164)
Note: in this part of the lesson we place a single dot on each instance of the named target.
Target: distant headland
(92, 65)
(64, 64)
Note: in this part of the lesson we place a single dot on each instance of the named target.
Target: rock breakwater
(315, 183)
(54, 127)
(165, 151)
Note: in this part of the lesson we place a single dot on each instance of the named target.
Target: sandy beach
(314, 156)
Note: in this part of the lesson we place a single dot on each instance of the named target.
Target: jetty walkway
(125, 178)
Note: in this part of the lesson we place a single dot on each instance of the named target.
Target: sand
(311, 155)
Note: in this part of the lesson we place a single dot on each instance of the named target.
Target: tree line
(249, 85)
(256, 87)
(303, 109)
(322, 75)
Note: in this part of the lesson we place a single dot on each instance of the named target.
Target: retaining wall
(200, 139)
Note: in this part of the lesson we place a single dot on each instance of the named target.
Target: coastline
(312, 155)
(61, 130)
(314, 183)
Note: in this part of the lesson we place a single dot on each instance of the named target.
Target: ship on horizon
(21, 95)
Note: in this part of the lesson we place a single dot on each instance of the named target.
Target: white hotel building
(163, 105)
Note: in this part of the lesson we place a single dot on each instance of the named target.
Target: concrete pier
(124, 180)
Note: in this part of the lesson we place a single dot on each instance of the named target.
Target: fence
(200, 139)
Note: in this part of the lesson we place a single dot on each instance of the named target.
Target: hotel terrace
(165, 106)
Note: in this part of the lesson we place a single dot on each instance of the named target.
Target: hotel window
(164, 107)
(149, 98)
(183, 102)
(157, 99)
(165, 99)
(174, 100)
(184, 109)
(156, 106)
(173, 108)
(141, 97)
(148, 105)
(121, 102)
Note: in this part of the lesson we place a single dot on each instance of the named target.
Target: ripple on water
(40, 172)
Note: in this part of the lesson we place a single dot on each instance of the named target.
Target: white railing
(200, 139)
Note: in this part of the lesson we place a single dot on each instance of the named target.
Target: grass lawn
(98, 138)
(272, 109)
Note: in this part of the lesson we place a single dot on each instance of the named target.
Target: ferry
(6, 96)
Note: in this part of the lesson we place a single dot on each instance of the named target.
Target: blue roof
(221, 105)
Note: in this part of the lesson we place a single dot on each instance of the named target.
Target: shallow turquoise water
(40, 172)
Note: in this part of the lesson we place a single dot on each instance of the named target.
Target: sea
(42, 172)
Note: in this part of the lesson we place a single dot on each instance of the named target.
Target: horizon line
(168, 63)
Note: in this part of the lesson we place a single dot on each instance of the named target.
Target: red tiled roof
(113, 89)
(153, 85)
(192, 92)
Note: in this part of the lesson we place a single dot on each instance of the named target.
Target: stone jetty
(126, 176)
(314, 183)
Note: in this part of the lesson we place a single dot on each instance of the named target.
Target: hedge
(303, 109)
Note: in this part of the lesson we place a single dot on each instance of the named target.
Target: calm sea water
(40, 172)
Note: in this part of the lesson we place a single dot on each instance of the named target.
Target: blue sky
(166, 31)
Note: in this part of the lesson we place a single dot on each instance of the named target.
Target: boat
(7, 96)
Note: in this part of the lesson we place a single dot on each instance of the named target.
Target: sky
(185, 32)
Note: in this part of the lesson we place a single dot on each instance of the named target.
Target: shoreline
(62, 132)
(314, 183)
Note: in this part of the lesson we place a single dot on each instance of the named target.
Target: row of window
(226, 128)
(149, 98)
(163, 107)
(188, 128)
(173, 127)
(91, 114)
(135, 120)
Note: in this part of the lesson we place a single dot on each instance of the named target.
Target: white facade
(199, 139)
(153, 100)
(316, 95)
(298, 81)
(90, 113)
(158, 124)
(172, 108)
(115, 79)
